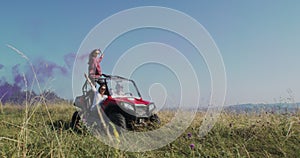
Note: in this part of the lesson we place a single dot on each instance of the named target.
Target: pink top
(94, 67)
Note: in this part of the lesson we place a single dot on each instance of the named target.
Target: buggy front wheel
(118, 119)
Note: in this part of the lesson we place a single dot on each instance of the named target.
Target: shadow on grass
(62, 125)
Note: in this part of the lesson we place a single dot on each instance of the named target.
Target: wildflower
(189, 135)
(84, 120)
(192, 146)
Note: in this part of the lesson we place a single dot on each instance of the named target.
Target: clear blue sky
(258, 40)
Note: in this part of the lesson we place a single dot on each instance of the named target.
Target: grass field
(43, 131)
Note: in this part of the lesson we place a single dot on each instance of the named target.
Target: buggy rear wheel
(75, 120)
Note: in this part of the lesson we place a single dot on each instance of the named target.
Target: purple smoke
(2, 80)
(44, 70)
(10, 93)
(18, 78)
(48, 69)
(69, 60)
(82, 57)
(14, 94)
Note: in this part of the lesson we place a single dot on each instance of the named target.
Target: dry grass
(44, 132)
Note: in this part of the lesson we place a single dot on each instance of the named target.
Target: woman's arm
(90, 82)
(100, 58)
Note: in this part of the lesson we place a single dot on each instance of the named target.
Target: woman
(94, 65)
(99, 95)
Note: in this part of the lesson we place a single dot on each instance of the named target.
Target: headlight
(128, 106)
(151, 106)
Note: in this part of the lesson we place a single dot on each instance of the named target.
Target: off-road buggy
(124, 108)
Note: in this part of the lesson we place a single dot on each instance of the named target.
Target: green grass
(41, 131)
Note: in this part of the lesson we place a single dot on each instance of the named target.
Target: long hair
(92, 55)
(102, 85)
